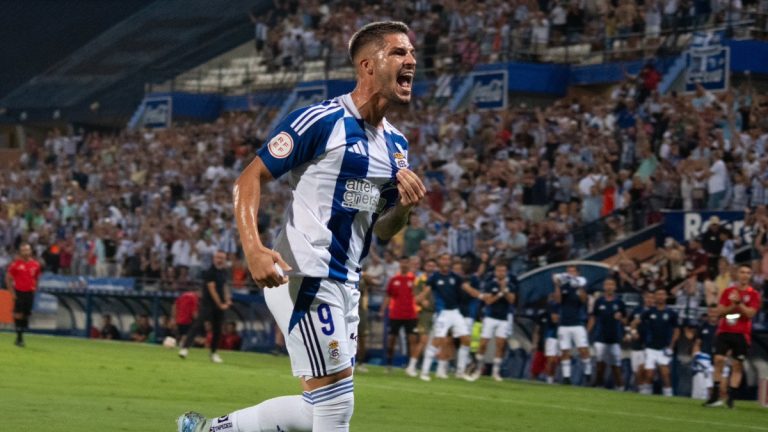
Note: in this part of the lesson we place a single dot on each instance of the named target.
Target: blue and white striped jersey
(341, 172)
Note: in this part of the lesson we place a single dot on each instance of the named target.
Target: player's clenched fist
(263, 263)
(410, 187)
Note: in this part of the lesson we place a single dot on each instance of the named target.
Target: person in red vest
(738, 305)
(21, 279)
(185, 311)
(399, 304)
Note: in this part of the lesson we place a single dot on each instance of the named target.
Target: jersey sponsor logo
(333, 351)
(361, 195)
(358, 148)
(280, 146)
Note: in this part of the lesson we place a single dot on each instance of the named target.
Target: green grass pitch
(75, 385)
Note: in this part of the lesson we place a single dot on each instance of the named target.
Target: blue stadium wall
(530, 78)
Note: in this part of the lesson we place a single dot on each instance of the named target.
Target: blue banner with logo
(53, 282)
(707, 62)
(157, 112)
(310, 95)
(685, 225)
(489, 89)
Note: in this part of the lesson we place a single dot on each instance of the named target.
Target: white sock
(666, 391)
(461, 364)
(412, 363)
(550, 379)
(566, 365)
(287, 413)
(429, 357)
(587, 364)
(496, 366)
(333, 406)
(442, 367)
(646, 389)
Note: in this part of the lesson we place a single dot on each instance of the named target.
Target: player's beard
(392, 94)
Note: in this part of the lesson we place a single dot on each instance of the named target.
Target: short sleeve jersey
(660, 324)
(501, 307)
(341, 173)
(573, 311)
(447, 289)
(607, 328)
(736, 322)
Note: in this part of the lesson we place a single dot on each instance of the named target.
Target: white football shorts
(655, 357)
(608, 353)
(551, 347)
(319, 318)
(637, 359)
(450, 319)
(572, 336)
(496, 328)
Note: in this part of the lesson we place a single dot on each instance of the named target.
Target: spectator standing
(702, 351)
(571, 295)
(712, 243)
(738, 305)
(21, 279)
(399, 305)
(184, 312)
(607, 321)
(661, 334)
(636, 337)
(500, 295)
(717, 182)
(216, 300)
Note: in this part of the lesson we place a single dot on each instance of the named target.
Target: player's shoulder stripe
(308, 110)
(312, 116)
(315, 117)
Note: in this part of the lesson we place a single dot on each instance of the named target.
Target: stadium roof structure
(151, 41)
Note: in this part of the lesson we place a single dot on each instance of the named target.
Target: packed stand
(532, 185)
(456, 35)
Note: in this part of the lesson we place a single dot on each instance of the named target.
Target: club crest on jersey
(400, 160)
(280, 146)
(334, 351)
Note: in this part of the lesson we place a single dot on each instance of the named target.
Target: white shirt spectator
(718, 177)
(585, 185)
(540, 31)
(181, 251)
(558, 15)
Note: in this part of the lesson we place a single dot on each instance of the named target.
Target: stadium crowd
(533, 185)
(523, 186)
(454, 34)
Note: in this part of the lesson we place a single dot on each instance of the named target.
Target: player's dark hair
(374, 32)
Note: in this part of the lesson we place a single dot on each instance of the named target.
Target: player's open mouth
(405, 79)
